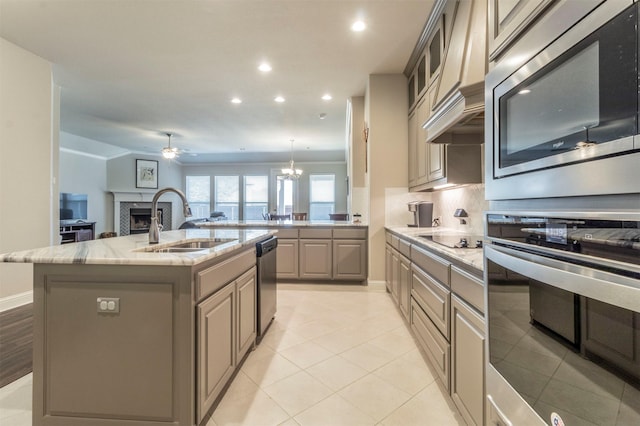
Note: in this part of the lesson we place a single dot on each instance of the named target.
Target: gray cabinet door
(287, 258)
(247, 308)
(467, 361)
(216, 346)
(350, 260)
(508, 19)
(315, 259)
(404, 286)
(388, 267)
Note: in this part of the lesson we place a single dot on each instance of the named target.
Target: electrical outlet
(108, 305)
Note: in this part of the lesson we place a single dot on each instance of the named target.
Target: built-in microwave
(564, 121)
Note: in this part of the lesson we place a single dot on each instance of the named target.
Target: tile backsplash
(470, 198)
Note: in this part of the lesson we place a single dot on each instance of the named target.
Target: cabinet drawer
(388, 238)
(432, 264)
(211, 279)
(351, 234)
(395, 242)
(431, 341)
(468, 287)
(316, 233)
(287, 233)
(404, 248)
(432, 297)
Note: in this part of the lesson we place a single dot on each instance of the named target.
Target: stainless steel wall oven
(563, 121)
(563, 303)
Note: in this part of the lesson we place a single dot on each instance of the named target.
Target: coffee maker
(422, 213)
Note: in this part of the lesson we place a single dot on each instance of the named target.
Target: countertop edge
(470, 257)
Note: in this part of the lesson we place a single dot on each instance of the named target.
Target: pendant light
(291, 172)
(168, 152)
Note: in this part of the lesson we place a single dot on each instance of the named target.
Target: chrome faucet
(154, 228)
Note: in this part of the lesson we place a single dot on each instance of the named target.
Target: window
(284, 195)
(199, 195)
(227, 196)
(256, 197)
(321, 196)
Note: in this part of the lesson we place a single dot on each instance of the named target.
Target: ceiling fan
(168, 151)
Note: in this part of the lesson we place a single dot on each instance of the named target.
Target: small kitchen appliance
(422, 213)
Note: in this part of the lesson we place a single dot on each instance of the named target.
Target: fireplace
(135, 217)
(140, 220)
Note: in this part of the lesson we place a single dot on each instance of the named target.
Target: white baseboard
(16, 300)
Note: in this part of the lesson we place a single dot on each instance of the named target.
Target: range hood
(459, 99)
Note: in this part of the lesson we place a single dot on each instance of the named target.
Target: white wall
(357, 155)
(29, 143)
(87, 174)
(386, 113)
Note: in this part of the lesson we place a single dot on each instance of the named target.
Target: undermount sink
(188, 246)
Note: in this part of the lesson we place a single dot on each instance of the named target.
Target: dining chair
(339, 216)
(280, 217)
(299, 216)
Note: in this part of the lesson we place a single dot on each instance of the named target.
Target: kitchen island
(312, 251)
(129, 333)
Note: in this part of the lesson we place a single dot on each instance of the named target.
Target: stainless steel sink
(176, 250)
(188, 246)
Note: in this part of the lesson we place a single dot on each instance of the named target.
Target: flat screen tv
(73, 207)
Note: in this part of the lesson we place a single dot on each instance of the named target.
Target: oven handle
(610, 288)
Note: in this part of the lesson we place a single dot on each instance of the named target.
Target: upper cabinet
(459, 99)
(446, 95)
(508, 19)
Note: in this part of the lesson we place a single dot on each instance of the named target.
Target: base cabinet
(246, 288)
(404, 286)
(216, 345)
(322, 253)
(227, 326)
(315, 259)
(350, 259)
(444, 308)
(467, 361)
(287, 258)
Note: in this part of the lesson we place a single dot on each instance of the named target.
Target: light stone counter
(278, 223)
(130, 250)
(469, 256)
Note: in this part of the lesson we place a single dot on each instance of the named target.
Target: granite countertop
(469, 256)
(130, 250)
(278, 223)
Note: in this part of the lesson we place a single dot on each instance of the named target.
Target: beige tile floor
(334, 355)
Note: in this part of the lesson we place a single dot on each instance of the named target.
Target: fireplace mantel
(130, 196)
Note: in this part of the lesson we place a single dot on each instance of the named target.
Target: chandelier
(168, 152)
(291, 172)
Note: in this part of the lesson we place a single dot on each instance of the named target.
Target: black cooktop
(456, 241)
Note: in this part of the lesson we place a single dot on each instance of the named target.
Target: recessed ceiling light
(327, 97)
(279, 99)
(358, 26)
(322, 116)
(236, 101)
(264, 67)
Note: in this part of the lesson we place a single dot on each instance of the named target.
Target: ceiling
(132, 71)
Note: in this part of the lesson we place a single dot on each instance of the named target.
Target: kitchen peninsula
(137, 334)
(319, 250)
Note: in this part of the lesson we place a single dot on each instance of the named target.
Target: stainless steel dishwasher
(267, 286)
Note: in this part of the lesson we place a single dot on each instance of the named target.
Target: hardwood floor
(16, 343)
